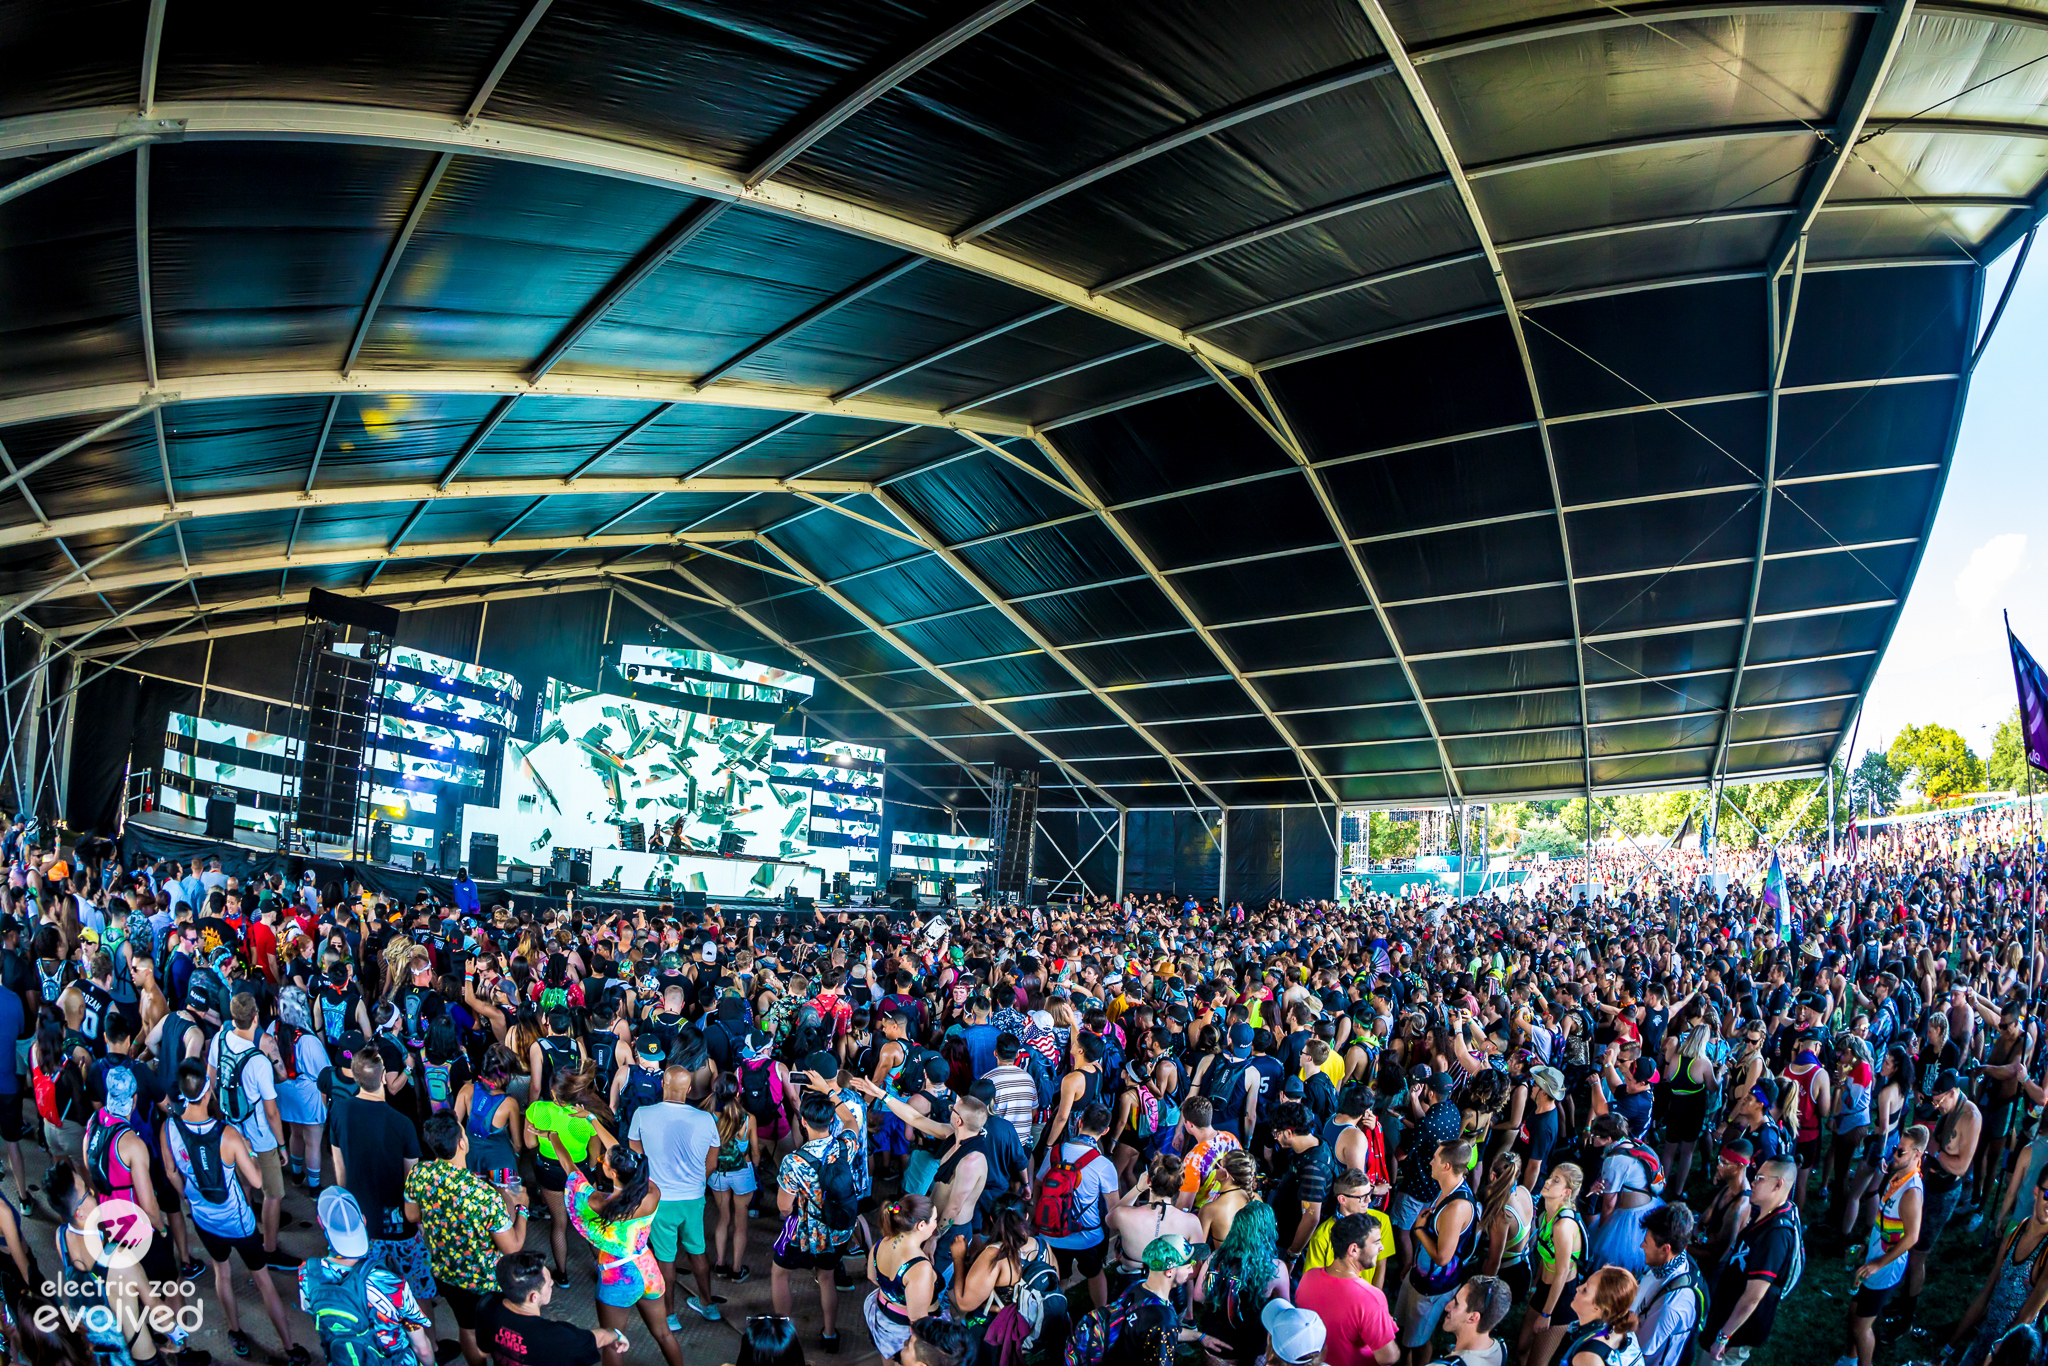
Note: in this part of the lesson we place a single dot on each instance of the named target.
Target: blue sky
(1947, 661)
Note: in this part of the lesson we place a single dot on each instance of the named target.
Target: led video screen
(598, 760)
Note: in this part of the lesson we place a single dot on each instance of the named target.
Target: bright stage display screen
(599, 759)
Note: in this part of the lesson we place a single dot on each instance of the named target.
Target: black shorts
(463, 1302)
(12, 1129)
(160, 1263)
(1869, 1303)
(793, 1260)
(1089, 1259)
(1807, 1152)
(250, 1246)
(550, 1174)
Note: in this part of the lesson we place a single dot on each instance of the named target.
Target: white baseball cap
(1297, 1333)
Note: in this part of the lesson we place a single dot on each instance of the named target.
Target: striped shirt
(1016, 1095)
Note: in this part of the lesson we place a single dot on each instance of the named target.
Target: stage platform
(734, 881)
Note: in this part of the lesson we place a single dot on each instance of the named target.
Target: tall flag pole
(2032, 686)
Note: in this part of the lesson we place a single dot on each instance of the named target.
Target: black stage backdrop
(1172, 852)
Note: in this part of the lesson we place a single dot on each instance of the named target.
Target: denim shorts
(741, 1182)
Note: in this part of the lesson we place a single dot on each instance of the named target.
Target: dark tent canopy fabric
(1217, 405)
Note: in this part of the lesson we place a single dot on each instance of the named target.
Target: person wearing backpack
(1761, 1267)
(1672, 1297)
(817, 1198)
(338, 1006)
(299, 1056)
(639, 1085)
(1142, 1328)
(213, 1169)
(1075, 1188)
(680, 1142)
(1630, 1174)
(765, 1088)
(365, 1313)
(245, 1083)
(1606, 1330)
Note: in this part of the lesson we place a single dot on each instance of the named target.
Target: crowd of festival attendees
(1535, 1127)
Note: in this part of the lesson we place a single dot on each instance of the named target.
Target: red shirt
(836, 1008)
(1354, 1315)
(262, 943)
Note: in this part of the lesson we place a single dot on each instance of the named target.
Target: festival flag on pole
(1684, 829)
(1853, 845)
(1775, 895)
(2032, 683)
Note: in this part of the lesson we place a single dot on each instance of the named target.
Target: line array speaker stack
(451, 853)
(342, 706)
(1012, 823)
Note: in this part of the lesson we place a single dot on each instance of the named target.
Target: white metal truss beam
(1425, 107)
(361, 555)
(430, 131)
(1880, 48)
(102, 398)
(279, 614)
(361, 495)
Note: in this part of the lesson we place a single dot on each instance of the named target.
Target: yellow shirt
(1333, 1068)
(1318, 1254)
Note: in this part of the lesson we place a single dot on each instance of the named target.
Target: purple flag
(1777, 896)
(2033, 689)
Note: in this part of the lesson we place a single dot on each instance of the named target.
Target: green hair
(1244, 1264)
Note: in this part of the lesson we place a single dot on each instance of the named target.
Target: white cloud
(1991, 567)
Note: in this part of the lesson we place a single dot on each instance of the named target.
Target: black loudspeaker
(483, 855)
(558, 867)
(419, 861)
(220, 814)
(694, 900)
(731, 842)
(451, 853)
(380, 842)
(579, 868)
(900, 887)
(841, 884)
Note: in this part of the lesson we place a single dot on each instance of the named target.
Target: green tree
(1547, 835)
(1936, 760)
(1391, 839)
(1874, 786)
(2007, 767)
